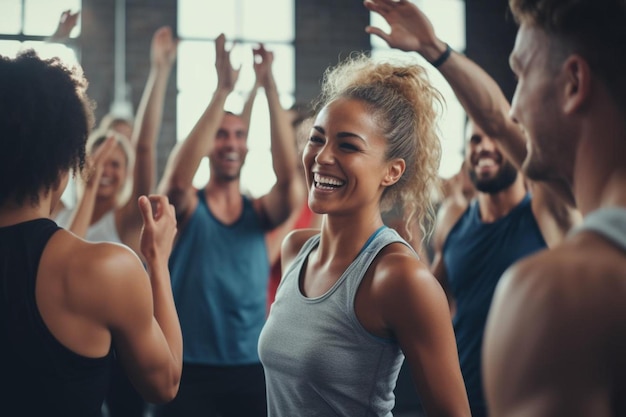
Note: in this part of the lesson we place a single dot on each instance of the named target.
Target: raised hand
(164, 47)
(96, 161)
(410, 29)
(263, 60)
(226, 75)
(67, 22)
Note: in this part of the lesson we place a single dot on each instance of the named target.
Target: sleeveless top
(304, 221)
(219, 279)
(475, 255)
(104, 230)
(318, 358)
(42, 376)
(609, 222)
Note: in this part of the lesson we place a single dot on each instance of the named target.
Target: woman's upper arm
(416, 310)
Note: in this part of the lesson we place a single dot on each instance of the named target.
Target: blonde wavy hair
(406, 107)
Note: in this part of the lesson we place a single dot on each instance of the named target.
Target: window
(199, 24)
(26, 24)
(448, 20)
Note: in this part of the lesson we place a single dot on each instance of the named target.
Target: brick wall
(490, 37)
(97, 44)
(326, 30)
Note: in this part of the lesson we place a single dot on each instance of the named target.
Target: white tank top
(610, 222)
(104, 230)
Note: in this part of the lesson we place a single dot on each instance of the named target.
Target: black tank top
(41, 376)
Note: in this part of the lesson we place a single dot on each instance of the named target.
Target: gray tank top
(318, 358)
(610, 222)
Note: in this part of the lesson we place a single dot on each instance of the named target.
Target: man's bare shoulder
(560, 314)
(581, 269)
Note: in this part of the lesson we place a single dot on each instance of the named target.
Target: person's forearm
(283, 142)
(147, 129)
(246, 113)
(165, 310)
(485, 104)
(83, 212)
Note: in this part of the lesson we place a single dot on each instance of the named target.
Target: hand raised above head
(67, 22)
(410, 29)
(226, 75)
(95, 162)
(164, 47)
(263, 60)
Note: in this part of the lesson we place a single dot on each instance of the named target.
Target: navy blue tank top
(42, 377)
(475, 255)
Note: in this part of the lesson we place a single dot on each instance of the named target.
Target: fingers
(164, 46)
(102, 152)
(378, 32)
(74, 16)
(145, 206)
(377, 6)
(220, 42)
(97, 159)
(156, 207)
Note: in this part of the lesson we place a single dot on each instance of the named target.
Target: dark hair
(595, 29)
(405, 105)
(45, 119)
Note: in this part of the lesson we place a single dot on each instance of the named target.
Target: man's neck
(224, 200)
(599, 173)
(497, 205)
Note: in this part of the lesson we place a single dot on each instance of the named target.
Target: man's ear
(395, 169)
(577, 82)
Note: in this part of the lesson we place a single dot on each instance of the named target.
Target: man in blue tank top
(219, 264)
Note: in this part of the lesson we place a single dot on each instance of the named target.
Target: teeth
(232, 156)
(486, 162)
(327, 181)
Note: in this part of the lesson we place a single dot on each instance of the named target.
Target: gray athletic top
(318, 358)
(610, 222)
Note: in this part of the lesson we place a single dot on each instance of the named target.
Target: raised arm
(148, 123)
(246, 113)
(82, 214)
(477, 91)
(66, 24)
(183, 162)
(286, 195)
